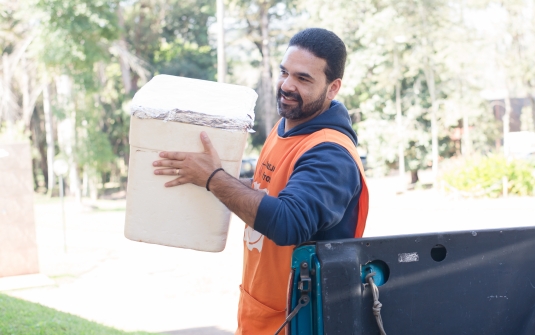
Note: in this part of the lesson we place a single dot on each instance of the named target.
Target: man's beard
(299, 112)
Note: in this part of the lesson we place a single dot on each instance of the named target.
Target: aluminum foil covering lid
(194, 101)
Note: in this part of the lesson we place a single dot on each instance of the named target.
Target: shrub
(484, 176)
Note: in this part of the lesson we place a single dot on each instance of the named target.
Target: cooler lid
(194, 101)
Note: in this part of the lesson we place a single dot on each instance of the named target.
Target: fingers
(207, 144)
(168, 163)
(179, 156)
(175, 182)
(180, 180)
(188, 167)
(167, 172)
(171, 172)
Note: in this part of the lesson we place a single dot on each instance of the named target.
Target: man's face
(302, 85)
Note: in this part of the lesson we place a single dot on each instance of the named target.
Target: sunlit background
(441, 94)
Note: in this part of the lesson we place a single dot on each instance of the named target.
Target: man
(308, 184)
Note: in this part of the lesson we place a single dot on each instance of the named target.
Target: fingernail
(203, 134)
(155, 163)
(162, 154)
(157, 172)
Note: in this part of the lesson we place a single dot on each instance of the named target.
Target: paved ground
(134, 286)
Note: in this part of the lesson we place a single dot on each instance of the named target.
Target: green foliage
(19, 317)
(180, 58)
(388, 49)
(172, 36)
(484, 176)
(108, 48)
(94, 149)
(76, 35)
(391, 42)
(113, 115)
(17, 133)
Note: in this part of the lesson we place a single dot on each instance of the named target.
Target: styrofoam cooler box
(168, 114)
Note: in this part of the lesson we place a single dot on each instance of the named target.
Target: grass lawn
(19, 317)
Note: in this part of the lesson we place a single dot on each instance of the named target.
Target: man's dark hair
(324, 44)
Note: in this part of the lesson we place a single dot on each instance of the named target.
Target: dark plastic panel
(485, 284)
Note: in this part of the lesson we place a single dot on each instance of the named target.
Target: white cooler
(168, 114)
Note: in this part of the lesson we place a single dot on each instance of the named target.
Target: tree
(265, 24)
(406, 63)
(172, 36)
(75, 37)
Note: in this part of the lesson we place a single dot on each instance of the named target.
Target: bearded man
(309, 183)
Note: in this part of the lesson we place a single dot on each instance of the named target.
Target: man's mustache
(290, 95)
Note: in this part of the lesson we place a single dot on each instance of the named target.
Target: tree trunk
(25, 88)
(221, 59)
(49, 134)
(506, 121)
(532, 100)
(125, 71)
(142, 6)
(430, 78)
(5, 110)
(125, 68)
(39, 143)
(414, 176)
(90, 183)
(67, 133)
(399, 122)
(466, 147)
(267, 80)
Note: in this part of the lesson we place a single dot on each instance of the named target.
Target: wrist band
(210, 178)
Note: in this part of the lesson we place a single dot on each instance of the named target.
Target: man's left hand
(189, 167)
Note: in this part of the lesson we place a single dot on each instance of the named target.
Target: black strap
(210, 178)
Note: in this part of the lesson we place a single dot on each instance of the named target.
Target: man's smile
(289, 98)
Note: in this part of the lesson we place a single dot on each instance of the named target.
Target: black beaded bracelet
(210, 178)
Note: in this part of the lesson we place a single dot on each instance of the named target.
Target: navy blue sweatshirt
(320, 200)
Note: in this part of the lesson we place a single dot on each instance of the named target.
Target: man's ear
(333, 89)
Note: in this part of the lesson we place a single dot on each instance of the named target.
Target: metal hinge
(304, 286)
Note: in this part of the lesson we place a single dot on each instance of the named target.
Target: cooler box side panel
(185, 216)
(175, 136)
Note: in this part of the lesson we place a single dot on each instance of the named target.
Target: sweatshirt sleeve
(324, 181)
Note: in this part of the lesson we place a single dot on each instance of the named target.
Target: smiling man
(309, 183)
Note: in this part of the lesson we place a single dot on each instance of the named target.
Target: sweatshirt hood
(336, 118)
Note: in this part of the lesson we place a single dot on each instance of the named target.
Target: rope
(376, 304)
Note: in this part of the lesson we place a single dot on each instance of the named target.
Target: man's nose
(288, 84)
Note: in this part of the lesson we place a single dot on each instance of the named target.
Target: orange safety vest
(266, 266)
